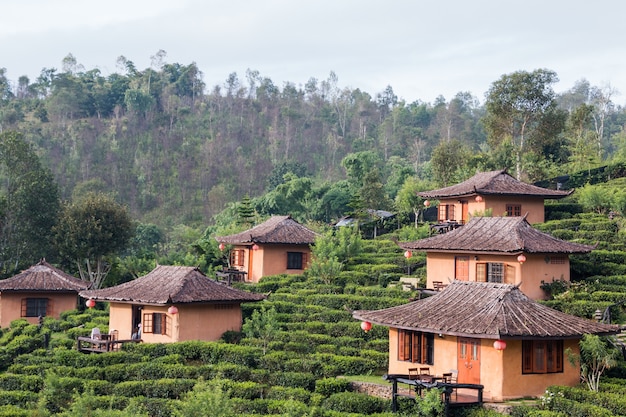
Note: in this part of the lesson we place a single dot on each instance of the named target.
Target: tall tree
(89, 232)
(519, 105)
(29, 204)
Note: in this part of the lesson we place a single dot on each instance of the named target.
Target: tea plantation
(293, 364)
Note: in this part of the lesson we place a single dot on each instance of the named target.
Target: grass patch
(375, 379)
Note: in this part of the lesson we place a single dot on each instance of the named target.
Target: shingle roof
(172, 284)
(43, 277)
(485, 310)
(277, 229)
(497, 234)
(493, 183)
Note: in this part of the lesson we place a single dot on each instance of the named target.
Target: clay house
(40, 291)
(173, 304)
(280, 245)
(496, 192)
(488, 334)
(497, 249)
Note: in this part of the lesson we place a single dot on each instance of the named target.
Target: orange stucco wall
(537, 268)
(193, 322)
(270, 260)
(500, 371)
(11, 305)
(533, 207)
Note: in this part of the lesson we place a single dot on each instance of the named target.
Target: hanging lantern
(426, 203)
(172, 310)
(521, 258)
(366, 326)
(91, 303)
(222, 246)
(408, 254)
(478, 199)
(499, 345)
(255, 247)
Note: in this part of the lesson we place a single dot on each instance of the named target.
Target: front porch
(101, 345)
(454, 394)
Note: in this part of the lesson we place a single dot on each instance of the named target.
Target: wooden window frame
(295, 260)
(446, 212)
(34, 303)
(514, 210)
(156, 323)
(497, 272)
(416, 347)
(542, 356)
(237, 257)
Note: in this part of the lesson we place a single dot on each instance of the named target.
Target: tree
(262, 325)
(407, 199)
(520, 105)
(332, 251)
(89, 232)
(448, 158)
(29, 204)
(206, 400)
(595, 357)
(245, 212)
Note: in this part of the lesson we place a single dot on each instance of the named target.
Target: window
(296, 260)
(514, 210)
(236, 257)
(461, 268)
(557, 260)
(156, 323)
(542, 356)
(495, 272)
(446, 212)
(34, 307)
(417, 347)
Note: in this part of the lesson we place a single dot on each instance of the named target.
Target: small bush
(349, 402)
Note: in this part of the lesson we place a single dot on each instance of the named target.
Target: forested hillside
(177, 150)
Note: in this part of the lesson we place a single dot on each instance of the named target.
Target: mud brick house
(40, 291)
(173, 304)
(280, 245)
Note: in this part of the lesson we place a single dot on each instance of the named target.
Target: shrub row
(611, 402)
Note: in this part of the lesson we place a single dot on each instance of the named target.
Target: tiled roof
(172, 284)
(493, 183)
(277, 229)
(43, 277)
(497, 234)
(485, 310)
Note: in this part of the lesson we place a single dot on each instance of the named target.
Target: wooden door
(468, 360)
(461, 268)
(464, 211)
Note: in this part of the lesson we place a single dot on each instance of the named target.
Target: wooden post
(394, 396)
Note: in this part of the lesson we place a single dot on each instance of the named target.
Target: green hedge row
(613, 403)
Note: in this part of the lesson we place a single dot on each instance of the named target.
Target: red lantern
(408, 254)
(366, 326)
(499, 345)
(172, 310)
(426, 203)
(478, 199)
(255, 247)
(91, 303)
(222, 246)
(521, 258)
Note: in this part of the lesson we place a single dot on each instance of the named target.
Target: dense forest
(177, 151)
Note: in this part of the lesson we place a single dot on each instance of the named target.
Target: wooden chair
(425, 370)
(414, 374)
(452, 378)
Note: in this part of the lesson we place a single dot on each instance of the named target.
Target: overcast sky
(422, 49)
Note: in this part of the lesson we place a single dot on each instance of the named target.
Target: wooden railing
(104, 344)
(472, 393)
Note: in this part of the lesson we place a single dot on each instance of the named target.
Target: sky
(422, 49)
